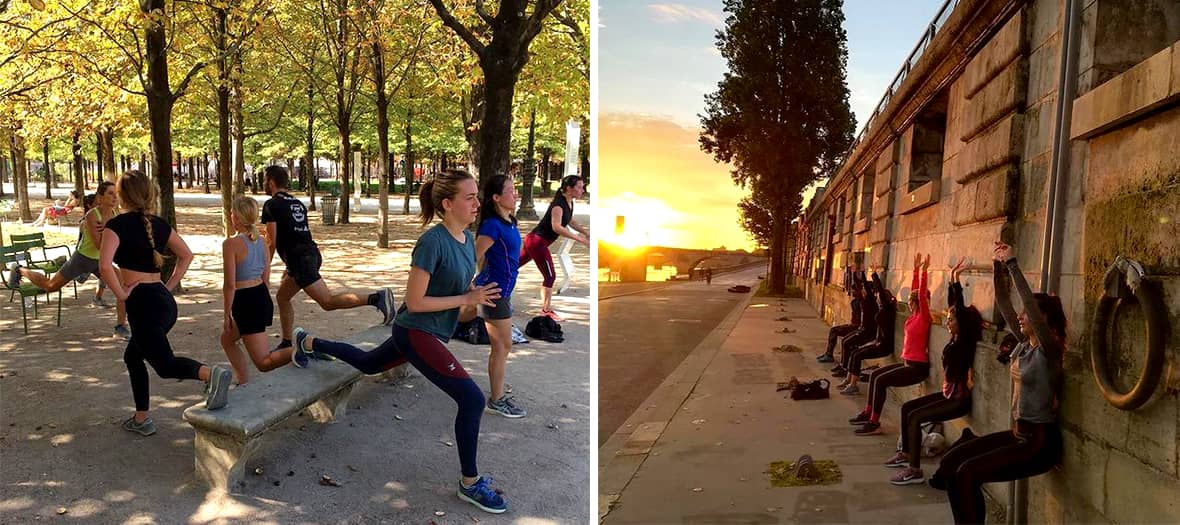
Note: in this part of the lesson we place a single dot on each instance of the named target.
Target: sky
(656, 61)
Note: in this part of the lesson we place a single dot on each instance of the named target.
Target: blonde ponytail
(246, 209)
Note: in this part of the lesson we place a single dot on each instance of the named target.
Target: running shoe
(505, 407)
(837, 368)
(899, 460)
(385, 303)
(869, 429)
(13, 275)
(147, 428)
(300, 357)
(847, 381)
(218, 391)
(850, 390)
(839, 373)
(482, 495)
(860, 419)
(908, 476)
(99, 302)
(123, 332)
(825, 358)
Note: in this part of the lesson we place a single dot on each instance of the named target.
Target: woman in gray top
(1033, 445)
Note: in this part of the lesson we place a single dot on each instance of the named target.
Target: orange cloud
(652, 172)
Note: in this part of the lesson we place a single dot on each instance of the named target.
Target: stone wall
(1122, 198)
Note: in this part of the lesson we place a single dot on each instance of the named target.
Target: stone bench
(226, 438)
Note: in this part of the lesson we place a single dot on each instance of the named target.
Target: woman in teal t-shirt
(441, 270)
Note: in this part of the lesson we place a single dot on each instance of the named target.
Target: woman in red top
(915, 365)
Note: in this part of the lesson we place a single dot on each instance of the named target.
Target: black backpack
(544, 328)
(817, 389)
(474, 331)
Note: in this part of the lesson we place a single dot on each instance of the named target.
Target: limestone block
(918, 221)
(1137, 494)
(963, 201)
(1038, 130)
(1084, 462)
(860, 240)
(1001, 50)
(1174, 89)
(1004, 94)
(1034, 185)
(954, 117)
(879, 255)
(995, 194)
(880, 230)
(1141, 89)
(1142, 155)
(1043, 21)
(999, 145)
(1153, 434)
(883, 206)
(921, 197)
(1043, 64)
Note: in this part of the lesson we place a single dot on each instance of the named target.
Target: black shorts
(502, 310)
(304, 266)
(252, 309)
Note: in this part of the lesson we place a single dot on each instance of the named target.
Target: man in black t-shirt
(288, 233)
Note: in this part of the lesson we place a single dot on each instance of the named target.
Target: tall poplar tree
(780, 115)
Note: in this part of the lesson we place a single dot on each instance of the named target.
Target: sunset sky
(656, 62)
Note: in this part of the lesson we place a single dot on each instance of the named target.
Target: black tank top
(135, 250)
(545, 227)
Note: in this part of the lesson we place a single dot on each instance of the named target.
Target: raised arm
(881, 297)
(923, 290)
(1003, 287)
(184, 257)
(1036, 318)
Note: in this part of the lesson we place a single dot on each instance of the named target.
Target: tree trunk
(3, 173)
(345, 147)
(205, 171)
(312, 176)
(382, 146)
(409, 161)
(224, 152)
(529, 174)
(21, 179)
(546, 172)
(777, 244)
(108, 155)
(159, 103)
(79, 164)
(192, 171)
(49, 170)
(99, 167)
(495, 131)
(238, 135)
(179, 172)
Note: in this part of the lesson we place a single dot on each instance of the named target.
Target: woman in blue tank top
(248, 307)
(497, 249)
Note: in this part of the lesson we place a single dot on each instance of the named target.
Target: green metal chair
(13, 253)
(36, 241)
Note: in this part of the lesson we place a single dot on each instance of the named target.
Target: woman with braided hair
(134, 240)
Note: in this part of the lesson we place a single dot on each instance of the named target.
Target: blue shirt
(502, 260)
(451, 266)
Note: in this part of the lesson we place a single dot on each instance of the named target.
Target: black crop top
(545, 227)
(134, 251)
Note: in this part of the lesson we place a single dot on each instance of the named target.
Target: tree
(780, 114)
(501, 59)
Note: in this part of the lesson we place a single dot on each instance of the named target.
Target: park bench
(226, 438)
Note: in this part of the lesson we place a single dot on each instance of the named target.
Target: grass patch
(782, 474)
(791, 292)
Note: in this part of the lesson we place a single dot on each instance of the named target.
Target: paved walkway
(698, 448)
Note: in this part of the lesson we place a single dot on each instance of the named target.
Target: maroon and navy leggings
(536, 248)
(430, 356)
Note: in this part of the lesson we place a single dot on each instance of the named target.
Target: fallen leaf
(448, 443)
(552, 426)
(276, 482)
(439, 513)
(327, 481)
(698, 489)
(290, 473)
(698, 421)
(399, 418)
(62, 510)
(258, 471)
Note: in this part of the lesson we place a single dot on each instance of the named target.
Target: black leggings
(997, 457)
(430, 357)
(928, 408)
(871, 351)
(151, 310)
(851, 344)
(896, 375)
(835, 333)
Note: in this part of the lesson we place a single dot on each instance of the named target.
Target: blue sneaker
(825, 358)
(385, 303)
(482, 495)
(300, 357)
